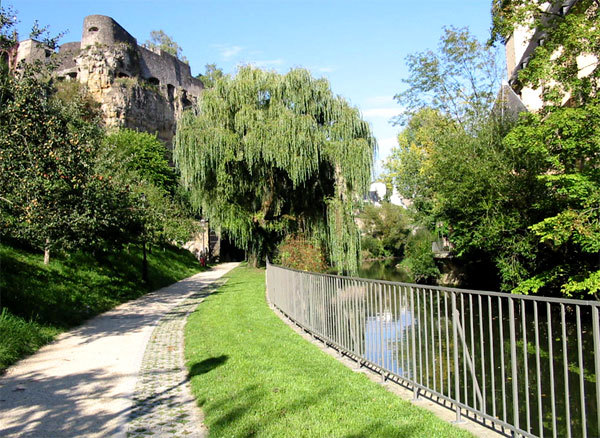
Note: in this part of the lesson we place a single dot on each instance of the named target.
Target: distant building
(377, 195)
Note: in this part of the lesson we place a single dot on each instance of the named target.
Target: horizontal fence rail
(526, 364)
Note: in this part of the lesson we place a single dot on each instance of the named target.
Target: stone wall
(136, 87)
(100, 29)
(165, 69)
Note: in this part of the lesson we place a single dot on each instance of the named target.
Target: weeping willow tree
(265, 155)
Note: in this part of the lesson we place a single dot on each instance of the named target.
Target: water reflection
(386, 330)
(552, 394)
(384, 270)
(529, 363)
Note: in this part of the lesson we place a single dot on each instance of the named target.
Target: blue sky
(360, 46)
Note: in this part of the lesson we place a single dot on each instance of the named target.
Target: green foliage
(372, 248)
(266, 381)
(467, 180)
(43, 300)
(51, 195)
(138, 156)
(385, 230)
(524, 198)
(139, 161)
(419, 259)
(20, 337)
(299, 253)
(459, 81)
(463, 175)
(564, 145)
(211, 75)
(266, 155)
(160, 40)
(556, 65)
(8, 35)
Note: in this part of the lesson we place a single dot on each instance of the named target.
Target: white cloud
(267, 63)
(228, 51)
(386, 113)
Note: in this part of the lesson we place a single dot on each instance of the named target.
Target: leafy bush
(419, 257)
(299, 253)
(385, 229)
(372, 248)
(140, 162)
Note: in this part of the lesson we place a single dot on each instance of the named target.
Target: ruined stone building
(137, 88)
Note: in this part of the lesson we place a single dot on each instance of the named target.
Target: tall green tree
(140, 162)
(211, 75)
(160, 40)
(459, 80)
(50, 194)
(566, 145)
(452, 163)
(265, 155)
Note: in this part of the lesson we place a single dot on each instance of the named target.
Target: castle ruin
(136, 87)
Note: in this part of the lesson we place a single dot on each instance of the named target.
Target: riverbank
(252, 375)
(40, 301)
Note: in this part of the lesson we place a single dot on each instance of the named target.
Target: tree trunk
(47, 252)
(253, 259)
(144, 264)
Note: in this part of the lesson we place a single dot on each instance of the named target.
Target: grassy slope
(41, 301)
(252, 375)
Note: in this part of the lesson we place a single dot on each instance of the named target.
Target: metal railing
(527, 364)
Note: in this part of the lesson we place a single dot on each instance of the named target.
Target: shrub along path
(84, 383)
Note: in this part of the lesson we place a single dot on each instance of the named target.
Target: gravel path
(124, 366)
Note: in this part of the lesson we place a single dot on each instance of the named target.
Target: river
(392, 326)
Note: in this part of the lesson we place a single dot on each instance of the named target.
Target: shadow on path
(83, 383)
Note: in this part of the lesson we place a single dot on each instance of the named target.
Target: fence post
(513, 362)
(414, 345)
(455, 354)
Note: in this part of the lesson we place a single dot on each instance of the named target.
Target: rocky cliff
(137, 88)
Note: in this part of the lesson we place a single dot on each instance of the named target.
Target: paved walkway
(120, 374)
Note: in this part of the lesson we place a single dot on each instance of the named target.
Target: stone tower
(136, 87)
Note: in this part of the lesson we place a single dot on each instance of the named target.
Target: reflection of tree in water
(407, 330)
(384, 270)
(388, 322)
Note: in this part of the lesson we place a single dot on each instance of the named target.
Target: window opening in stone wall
(122, 75)
(93, 29)
(170, 91)
(184, 100)
(154, 81)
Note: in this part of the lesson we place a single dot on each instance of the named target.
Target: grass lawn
(253, 376)
(37, 302)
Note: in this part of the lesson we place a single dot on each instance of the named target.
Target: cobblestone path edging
(162, 401)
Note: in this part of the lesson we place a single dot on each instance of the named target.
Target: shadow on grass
(245, 414)
(207, 365)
